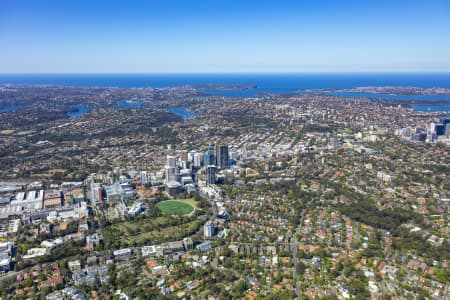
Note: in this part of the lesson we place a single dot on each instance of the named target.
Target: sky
(224, 36)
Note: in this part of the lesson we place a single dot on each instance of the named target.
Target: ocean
(265, 82)
(275, 82)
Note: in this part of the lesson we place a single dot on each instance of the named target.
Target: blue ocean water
(81, 110)
(182, 112)
(275, 82)
(129, 104)
(7, 108)
(265, 82)
(392, 97)
(433, 108)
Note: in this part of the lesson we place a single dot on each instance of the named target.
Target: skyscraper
(440, 129)
(171, 170)
(210, 158)
(222, 157)
(183, 156)
(171, 161)
(197, 160)
(170, 174)
(211, 174)
(209, 229)
(96, 193)
(446, 122)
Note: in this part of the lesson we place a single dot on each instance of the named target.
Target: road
(294, 245)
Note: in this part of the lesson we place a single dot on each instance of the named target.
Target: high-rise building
(197, 160)
(222, 157)
(171, 174)
(183, 156)
(96, 193)
(211, 174)
(171, 161)
(233, 154)
(446, 123)
(210, 158)
(209, 229)
(440, 129)
(171, 169)
(447, 129)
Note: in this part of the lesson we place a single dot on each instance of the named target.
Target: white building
(148, 251)
(198, 159)
(171, 161)
(122, 253)
(209, 229)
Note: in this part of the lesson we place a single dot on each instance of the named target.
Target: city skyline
(224, 37)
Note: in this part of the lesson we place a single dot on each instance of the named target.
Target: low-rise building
(53, 199)
(122, 253)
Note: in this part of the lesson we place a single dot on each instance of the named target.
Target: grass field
(175, 207)
(155, 230)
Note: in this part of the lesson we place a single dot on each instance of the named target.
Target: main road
(294, 246)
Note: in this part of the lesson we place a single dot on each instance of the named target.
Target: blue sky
(224, 36)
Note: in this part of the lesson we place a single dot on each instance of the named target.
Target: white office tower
(233, 154)
(171, 170)
(432, 127)
(171, 161)
(190, 156)
(209, 229)
(170, 174)
(431, 135)
(95, 192)
(198, 157)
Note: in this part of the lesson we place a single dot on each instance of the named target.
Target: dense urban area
(174, 193)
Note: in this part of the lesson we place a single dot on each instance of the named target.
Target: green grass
(175, 207)
(127, 234)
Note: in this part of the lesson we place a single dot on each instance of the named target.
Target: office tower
(211, 174)
(171, 170)
(447, 129)
(440, 129)
(209, 229)
(431, 127)
(233, 154)
(170, 174)
(222, 157)
(431, 136)
(96, 193)
(171, 161)
(197, 160)
(183, 155)
(446, 123)
(210, 158)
